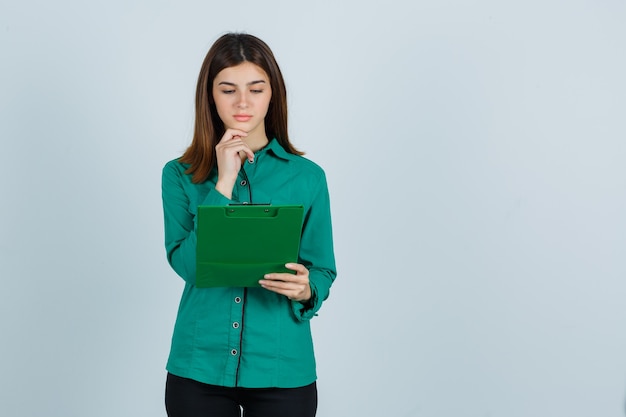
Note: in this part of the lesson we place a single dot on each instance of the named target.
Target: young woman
(245, 348)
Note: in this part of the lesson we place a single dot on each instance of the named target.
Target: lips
(242, 117)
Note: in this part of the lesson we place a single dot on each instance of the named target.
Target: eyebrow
(250, 83)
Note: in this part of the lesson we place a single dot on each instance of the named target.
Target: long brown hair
(231, 50)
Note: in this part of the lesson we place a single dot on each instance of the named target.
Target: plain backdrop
(475, 153)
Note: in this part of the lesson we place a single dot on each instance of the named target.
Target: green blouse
(248, 337)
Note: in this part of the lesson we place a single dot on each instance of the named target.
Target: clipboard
(238, 244)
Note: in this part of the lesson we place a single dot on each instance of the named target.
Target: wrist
(308, 298)
(224, 188)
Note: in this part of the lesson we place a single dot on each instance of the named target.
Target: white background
(475, 156)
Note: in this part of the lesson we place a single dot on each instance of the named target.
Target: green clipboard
(239, 244)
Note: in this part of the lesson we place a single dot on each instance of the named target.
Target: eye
(228, 91)
(256, 91)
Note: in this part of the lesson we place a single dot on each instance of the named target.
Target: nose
(242, 103)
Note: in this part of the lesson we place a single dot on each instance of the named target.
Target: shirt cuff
(306, 310)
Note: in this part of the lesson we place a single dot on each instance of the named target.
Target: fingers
(301, 276)
(295, 287)
(233, 133)
(233, 141)
(228, 156)
(300, 269)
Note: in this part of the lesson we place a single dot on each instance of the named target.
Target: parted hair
(231, 50)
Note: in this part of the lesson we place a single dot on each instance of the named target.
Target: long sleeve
(179, 212)
(316, 252)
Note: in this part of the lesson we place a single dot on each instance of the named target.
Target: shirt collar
(277, 149)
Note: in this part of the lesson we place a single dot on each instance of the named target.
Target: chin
(245, 126)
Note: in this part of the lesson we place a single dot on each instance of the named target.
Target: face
(242, 96)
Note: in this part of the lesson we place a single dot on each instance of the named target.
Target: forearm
(317, 254)
(180, 221)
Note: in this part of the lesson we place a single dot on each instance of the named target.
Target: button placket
(243, 187)
(235, 331)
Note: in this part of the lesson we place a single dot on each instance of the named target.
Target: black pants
(188, 398)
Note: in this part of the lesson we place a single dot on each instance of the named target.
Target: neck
(256, 142)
